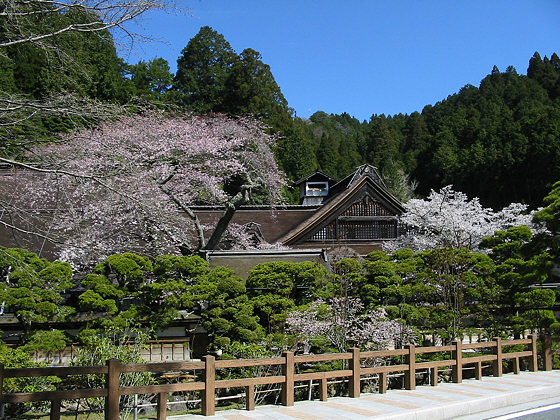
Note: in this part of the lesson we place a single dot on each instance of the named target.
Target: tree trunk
(222, 225)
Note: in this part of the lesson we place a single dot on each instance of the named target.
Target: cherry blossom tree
(449, 219)
(342, 323)
(131, 184)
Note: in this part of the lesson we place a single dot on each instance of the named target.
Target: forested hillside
(51, 84)
(499, 141)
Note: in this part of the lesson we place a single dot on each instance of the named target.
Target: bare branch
(188, 211)
(28, 232)
(110, 15)
(15, 109)
(230, 208)
(41, 23)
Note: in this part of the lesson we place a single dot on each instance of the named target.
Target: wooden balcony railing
(410, 360)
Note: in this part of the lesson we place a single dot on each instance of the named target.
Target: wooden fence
(455, 356)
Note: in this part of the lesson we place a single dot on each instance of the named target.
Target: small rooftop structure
(314, 188)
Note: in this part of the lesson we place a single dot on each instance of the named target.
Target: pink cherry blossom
(449, 219)
(343, 324)
(130, 185)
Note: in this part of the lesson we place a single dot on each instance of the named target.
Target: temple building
(356, 214)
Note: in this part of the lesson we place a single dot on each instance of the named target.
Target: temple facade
(357, 213)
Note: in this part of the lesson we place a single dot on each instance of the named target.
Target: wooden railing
(409, 359)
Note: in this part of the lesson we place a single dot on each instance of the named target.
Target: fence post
(533, 361)
(162, 406)
(497, 366)
(250, 397)
(288, 373)
(383, 382)
(547, 352)
(209, 393)
(516, 366)
(354, 385)
(478, 370)
(434, 376)
(457, 355)
(410, 360)
(112, 385)
(323, 389)
(55, 410)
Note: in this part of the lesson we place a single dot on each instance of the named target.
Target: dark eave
(257, 207)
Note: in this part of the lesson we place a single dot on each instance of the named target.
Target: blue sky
(366, 57)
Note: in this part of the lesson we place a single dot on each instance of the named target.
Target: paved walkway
(472, 399)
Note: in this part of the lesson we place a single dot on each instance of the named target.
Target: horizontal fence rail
(205, 380)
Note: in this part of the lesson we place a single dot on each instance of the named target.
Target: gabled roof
(362, 185)
(367, 170)
(361, 171)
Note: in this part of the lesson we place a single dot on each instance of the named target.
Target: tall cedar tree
(202, 71)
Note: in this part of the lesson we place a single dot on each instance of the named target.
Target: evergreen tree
(88, 64)
(202, 70)
(549, 218)
(7, 80)
(520, 264)
(151, 79)
(383, 143)
(348, 158)
(327, 155)
(415, 137)
(251, 88)
(544, 71)
(295, 152)
(69, 76)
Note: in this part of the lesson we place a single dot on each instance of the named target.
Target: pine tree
(151, 79)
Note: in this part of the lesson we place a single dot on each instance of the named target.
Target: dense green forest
(499, 141)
